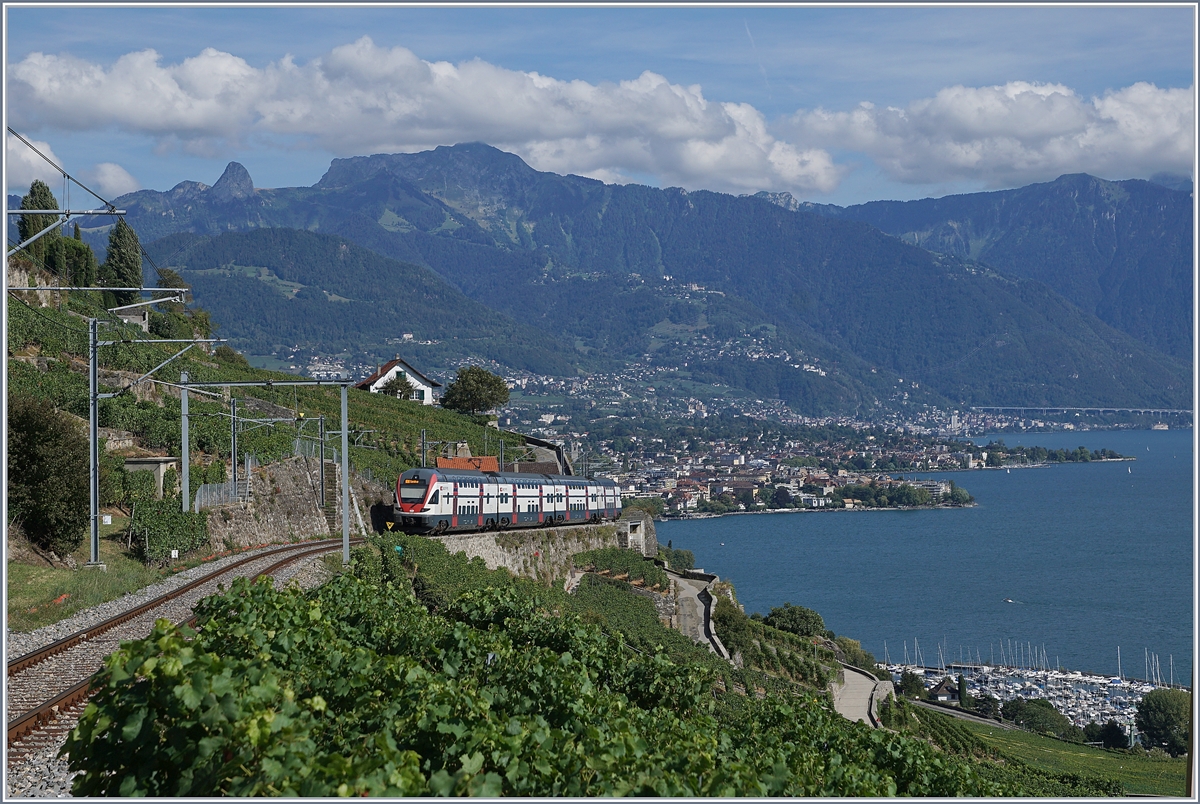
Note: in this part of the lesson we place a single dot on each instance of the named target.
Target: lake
(1094, 556)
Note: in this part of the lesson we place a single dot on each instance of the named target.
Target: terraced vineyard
(1136, 774)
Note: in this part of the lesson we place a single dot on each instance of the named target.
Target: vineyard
(1136, 772)
(386, 431)
(782, 654)
(622, 564)
(962, 738)
(424, 673)
(358, 688)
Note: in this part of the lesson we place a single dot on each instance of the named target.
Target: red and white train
(454, 500)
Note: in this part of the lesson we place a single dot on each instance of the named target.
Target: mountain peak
(234, 183)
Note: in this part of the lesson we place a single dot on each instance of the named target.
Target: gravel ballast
(42, 774)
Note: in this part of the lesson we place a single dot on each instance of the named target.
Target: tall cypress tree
(44, 251)
(123, 266)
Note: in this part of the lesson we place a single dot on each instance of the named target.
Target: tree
(475, 389)
(797, 620)
(912, 685)
(79, 263)
(48, 491)
(123, 265)
(732, 626)
(398, 386)
(45, 251)
(1039, 715)
(1113, 735)
(1162, 717)
(964, 698)
(781, 498)
(654, 506)
(987, 706)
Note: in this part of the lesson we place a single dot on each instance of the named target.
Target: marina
(1082, 697)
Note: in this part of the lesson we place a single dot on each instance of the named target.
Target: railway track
(49, 687)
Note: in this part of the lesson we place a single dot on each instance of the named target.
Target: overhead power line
(68, 177)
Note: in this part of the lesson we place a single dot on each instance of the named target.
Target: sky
(838, 105)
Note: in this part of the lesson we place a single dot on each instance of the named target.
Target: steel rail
(45, 712)
(41, 654)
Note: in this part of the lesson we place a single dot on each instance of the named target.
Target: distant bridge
(1092, 410)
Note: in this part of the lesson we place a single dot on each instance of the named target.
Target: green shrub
(140, 486)
(796, 620)
(159, 526)
(48, 476)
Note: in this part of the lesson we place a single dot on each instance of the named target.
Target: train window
(434, 499)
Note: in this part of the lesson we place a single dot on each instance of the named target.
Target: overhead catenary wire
(67, 177)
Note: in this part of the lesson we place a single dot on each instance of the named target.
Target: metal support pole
(322, 428)
(94, 439)
(501, 453)
(184, 450)
(345, 479)
(233, 441)
(422, 449)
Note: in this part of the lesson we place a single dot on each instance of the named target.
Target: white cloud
(360, 98)
(1015, 133)
(112, 180)
(23, 166)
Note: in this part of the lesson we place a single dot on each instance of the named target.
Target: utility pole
(422, 449)
(322, 429)
(233, 441)
(345, 480)
(184, 449)
(94, 445)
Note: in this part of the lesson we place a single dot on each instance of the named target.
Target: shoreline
(816, 511)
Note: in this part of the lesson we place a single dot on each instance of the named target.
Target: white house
(422, 385)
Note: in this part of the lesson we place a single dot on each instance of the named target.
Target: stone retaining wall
(543, 554)
(283, 507)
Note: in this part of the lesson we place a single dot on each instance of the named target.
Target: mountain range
(1067, 293)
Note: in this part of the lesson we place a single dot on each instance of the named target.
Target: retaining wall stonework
(543, 554)
(282, 508)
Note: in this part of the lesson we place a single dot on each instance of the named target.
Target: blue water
(1096, 556)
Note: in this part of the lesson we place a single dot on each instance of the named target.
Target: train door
(492, 494)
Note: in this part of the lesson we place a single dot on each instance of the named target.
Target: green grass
(33, 590)
(1138, 774)
(39, 595)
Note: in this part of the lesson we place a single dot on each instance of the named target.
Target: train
(437, 501)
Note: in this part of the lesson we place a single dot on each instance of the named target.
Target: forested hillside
(1121, 250)
(276, 287)
(609, 271)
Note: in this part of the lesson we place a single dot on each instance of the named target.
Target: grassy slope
(33, 589)
(1138, 774)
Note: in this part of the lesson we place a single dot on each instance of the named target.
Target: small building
(944, 691)
(157, 465)
(423, 387)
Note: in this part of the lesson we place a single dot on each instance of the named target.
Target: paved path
(691, 610)
(852, 699)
